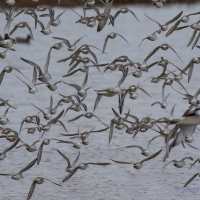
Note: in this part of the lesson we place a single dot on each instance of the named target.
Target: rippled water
(98, 182)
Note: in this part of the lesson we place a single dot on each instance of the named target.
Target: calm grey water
(98, 182)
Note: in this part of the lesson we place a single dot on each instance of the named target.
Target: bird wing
(111, 132)
(94, 56)
(188, 66)
(192, 37)
(84, 106)
(156, 49)
(125, 73)
(168, 163)
(71, 174)
(5, 174)
(107, 10)
(75, 118)
(122, 37)
(133, 14)
(178, 68)
(40, 23)
(24, 82)
(28, 27)
(75, 161)
(47, 61)
(38, 109)
(153, 138)
(9, 20)
(21, 11)
(152, 156)
(19, 72)
(52, 182)
(153, 20)
(101, 130)
(116, 114)
(196, 40)
(181, 84)
(71, 73)
(12, 146)
(105, 43)
(166, 98)
(178, 139)
(66, 111)
(101, 122)
(78, 40)
(77, 87)
(135, 146)
(34, 80)
(194, 163)
(163, 91)
(6, 102)
(85, 81)
(63, 141)
(100, 163)
(59, 116)
(142, 41)
(188, 157)
(133, 116)
(28, 166)
(191, 179)
(61, 123)
(1, 76)
(172, 112)
(127, 114)
(116, 14)
(75, 55)
(31, 190)
(182, 27)
(64, 40)
(121, 162)
(121, 99)
(25, 24)
(50, 21)
(174, 19)
(44, 15)
(173, 28)
(34, 13)
(157, 102)
(66, 158)
(194, 13)
(60, 15)
(143, 91)
(13, 30)
(21, 126)
(152, 64)
(169, 136)
(51, 104)
(5, 113)
(33, 64)
(35, 142)
(99, 96)
(19, 146)
(197, 93)
(74, 66)
(39, 155)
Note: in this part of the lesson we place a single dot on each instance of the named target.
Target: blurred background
(78, 3)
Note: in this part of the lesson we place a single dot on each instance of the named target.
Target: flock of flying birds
(174, 131)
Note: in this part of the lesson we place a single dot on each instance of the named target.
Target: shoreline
(73, 3)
